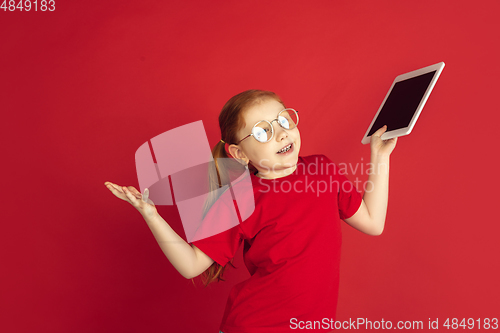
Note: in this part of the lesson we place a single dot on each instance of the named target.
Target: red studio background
(82, 87)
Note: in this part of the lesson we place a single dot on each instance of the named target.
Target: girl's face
(265, 156)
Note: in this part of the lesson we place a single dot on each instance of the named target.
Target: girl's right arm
(188, 260)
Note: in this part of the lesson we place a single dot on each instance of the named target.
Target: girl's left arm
(370, 217)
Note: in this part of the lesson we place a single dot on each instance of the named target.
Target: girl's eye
(284, 122)
(260, 133)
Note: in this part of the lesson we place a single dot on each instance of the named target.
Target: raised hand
(379, 146)
(130, 194)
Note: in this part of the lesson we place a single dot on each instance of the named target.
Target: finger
(391, 140)
(129, 195)
(116, 187)
(112, 187)
(117, 193)
(145, 196)
(134, 191)
(380, 131)
(108, 184)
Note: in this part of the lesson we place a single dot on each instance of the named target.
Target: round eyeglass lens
(262, 131)
(288, 119)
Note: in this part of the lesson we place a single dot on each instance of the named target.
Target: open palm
(130, 194)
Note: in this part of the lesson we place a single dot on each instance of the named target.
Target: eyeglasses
(263, 131)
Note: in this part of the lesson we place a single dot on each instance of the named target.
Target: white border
(407, 130)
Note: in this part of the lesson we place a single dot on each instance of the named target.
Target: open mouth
(286, 150)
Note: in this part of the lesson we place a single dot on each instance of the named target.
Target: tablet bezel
(407, 130)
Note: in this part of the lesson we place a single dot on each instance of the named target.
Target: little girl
(292, 239)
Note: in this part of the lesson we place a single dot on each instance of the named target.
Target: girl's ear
(231, 150)
(238, 154)
(235, 151)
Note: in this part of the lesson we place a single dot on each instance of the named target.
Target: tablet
(403, 103)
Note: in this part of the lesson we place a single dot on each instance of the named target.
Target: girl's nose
(280, 133)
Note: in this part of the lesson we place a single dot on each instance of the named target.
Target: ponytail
(231, 121)
(217, 176)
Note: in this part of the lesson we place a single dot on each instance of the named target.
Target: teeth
(287, 148)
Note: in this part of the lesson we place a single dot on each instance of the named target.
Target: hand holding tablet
(404, 102)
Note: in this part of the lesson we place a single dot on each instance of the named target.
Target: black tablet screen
(402, 103)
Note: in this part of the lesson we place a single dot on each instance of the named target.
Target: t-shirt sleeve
(222, 246)
(348, 198)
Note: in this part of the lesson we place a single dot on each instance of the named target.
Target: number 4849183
(27, 5)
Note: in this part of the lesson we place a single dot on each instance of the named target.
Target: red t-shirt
(291, 248)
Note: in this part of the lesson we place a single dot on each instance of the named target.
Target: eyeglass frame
(271, 124)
